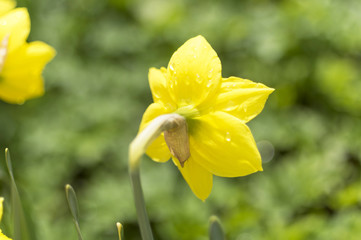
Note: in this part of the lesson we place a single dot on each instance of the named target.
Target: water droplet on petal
(198, 79)
(209, 83)
(171, 84)
(210, 73)
(187, 80)
(227, 88)
(156, 95)
(169, 106)
(228, 137)
(266, 150)
(171, 69)
(230, 106)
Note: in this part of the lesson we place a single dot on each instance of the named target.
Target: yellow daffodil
(216, 110)
(2, 236)
(6, 5)
(21, 63)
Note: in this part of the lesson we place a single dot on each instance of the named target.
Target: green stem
(80, 237)
(136, 149)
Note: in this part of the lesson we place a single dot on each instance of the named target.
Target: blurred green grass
(97, 90)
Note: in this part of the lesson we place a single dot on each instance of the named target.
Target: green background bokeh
(309, 134)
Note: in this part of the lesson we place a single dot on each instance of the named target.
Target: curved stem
(136, 149)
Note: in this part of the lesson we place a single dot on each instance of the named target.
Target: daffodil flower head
(216, 110)
(21, 63)
(2, 236)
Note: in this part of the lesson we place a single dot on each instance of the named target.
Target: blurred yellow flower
(6, 5)
(216, 110)
(2, 236)
(21, 63)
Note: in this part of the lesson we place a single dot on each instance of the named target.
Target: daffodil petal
(194, 73)
(224, 145)
(158, 86)
(1, 207)
(18, 89)
(21, 77)
(198, 178)
(6, 5)
(158, 150)
(30, 58)
(16, 25)
(3, 237)
(242, 98)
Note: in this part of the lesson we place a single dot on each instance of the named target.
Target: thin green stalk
(80, 237)
(143, 220)
(136, 149)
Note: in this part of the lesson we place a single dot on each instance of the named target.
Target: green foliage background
(97, 90)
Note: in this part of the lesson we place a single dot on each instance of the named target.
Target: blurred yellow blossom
(21, 63)
(216, 110)
(6, 5)
(2, 236)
